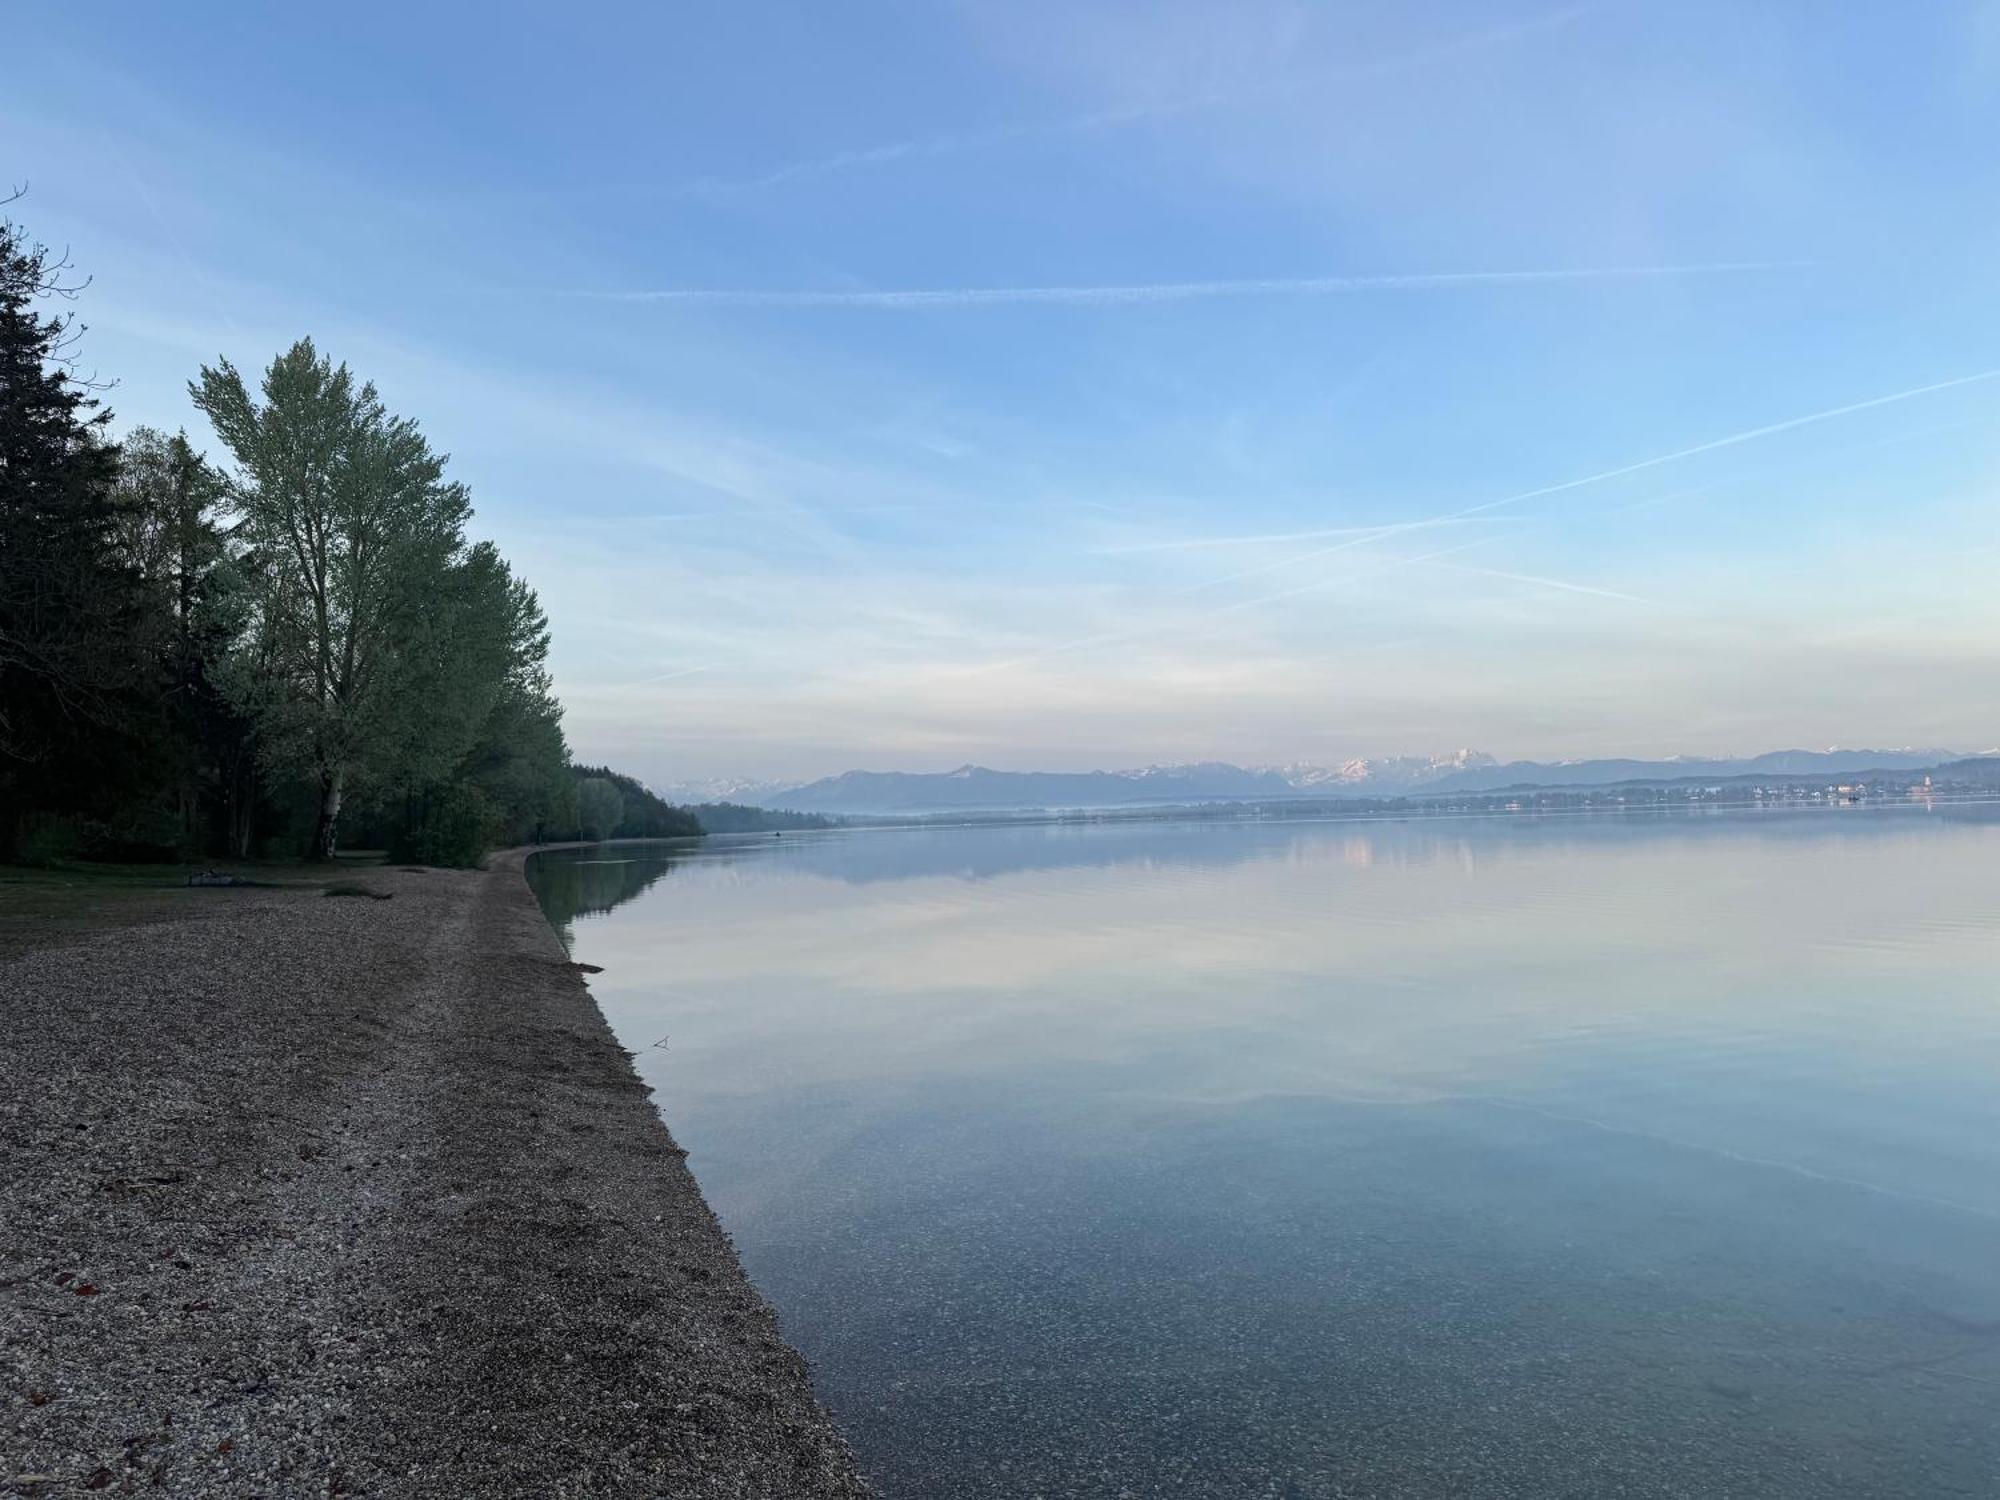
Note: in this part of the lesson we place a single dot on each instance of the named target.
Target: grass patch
(44, 908)
(78, 898)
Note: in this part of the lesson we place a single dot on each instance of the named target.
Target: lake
(1635, 1156)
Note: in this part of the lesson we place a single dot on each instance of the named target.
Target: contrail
(1318, 552)
(1770, 429)
(670, 676)
(1141, 293)
(913, 150)
(1547, 583)
(1745, 476)
(1327, 583)
(194, 270)
(1186, 544)
(1751, 434)
(741, 514)
(1733, 439)
(951, 143)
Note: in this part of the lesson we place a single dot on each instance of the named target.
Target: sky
(1068, 385)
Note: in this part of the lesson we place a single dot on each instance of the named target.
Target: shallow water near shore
(1641, 1156)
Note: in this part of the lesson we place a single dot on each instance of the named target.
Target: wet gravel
(303, 1196)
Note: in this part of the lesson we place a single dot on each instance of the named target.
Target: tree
(520, 761)
(170, 532)
(349, 512)
(480, 747)
(732, 817)
(169, 632)
(645, 815)
(600, 807)
(71, 663)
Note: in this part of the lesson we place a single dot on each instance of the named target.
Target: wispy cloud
(1376, 534)
(1734, 439)
(1319, 586)
(1200, 543)
(824, 513)
(1365, 536)
(1769, 429)
(917, 149)
(954, 143)
(1547, 583)
(1137, 293)
(1203, 617)
(672, 676)
(1820, 456)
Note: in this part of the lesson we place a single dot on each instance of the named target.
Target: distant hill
(732, 817)
(1977, 770)
(741, 791)
(980, 789)
(1525, 773)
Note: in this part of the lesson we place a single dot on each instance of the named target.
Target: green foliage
(731, 817)
(73, 666)
(642, 816)
(46, 840)
(600, 808)
(171, 533)
(456, 828)
(197, 662)
(358, 538)
(490, 721)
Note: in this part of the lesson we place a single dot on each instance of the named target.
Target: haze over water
(1485, 1157)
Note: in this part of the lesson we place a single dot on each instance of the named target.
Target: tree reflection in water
(572, 883)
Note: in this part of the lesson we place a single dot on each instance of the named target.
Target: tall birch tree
(348, 508)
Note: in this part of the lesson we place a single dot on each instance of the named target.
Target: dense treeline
(257, 655)
(733, 817)
(611, 806)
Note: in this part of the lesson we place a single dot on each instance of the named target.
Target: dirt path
(313, 1196)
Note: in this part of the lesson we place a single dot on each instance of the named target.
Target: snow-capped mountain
(980, 789)
(744, 790)
(1384, 774)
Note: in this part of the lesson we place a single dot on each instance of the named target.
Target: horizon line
(1497, 763)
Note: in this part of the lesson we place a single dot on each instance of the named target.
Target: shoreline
(349, 1197)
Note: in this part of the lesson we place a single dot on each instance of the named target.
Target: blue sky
(1290, 381)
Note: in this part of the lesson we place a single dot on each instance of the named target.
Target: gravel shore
(313, 1196)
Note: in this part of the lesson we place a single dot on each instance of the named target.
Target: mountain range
(981, 789)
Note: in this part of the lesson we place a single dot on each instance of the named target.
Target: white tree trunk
(329, 817)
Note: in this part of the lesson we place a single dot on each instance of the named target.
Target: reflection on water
(1505, 1157)
(589, 882)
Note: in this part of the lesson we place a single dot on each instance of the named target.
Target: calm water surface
(1485, 1158)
